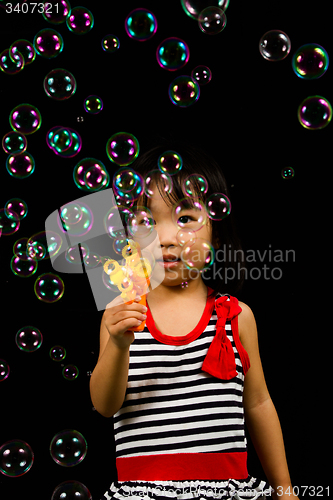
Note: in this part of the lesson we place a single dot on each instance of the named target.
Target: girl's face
(176, 272)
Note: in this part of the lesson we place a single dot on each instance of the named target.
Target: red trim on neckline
(189, 337)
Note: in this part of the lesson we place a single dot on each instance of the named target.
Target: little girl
(181, 390)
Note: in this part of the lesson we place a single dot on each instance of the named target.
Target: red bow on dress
(220, 359)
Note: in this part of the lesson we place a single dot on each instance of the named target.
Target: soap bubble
(154, 177)
(18, 206)
(22, 265)
(184, 284)
(28, 339)
(9, 222)
(57, 353)
(4, 374)
(170, 162)
(186, 236)
(195, 215)
(287, 173)
(193, 7)
(58, 12)
(67, 145)
(71, 490)
(20, 245)
(96, 178)
(122, 148)
(49, 288)
(83, 225)
(310, 61)
(70, 372)
(172, 53)
(218, 206)
(80, 21)
(115, 227)
(24, 48)
(141, 24)
(93, 104)
(212, 20)
(14, 142)
(25, 119)
(314, 112)
(11, 66)
(142, 224)
(61, 140)
(20, 165)
(90, 174)
(195, 183)
(68, 448)
(59, 84)
(274, 45)
(43, 245)
(184, 91)
(201, 74)
(126, 180)
(16, 458)
(110, 43)
(199, 255)
(48, 43)
(73, 256)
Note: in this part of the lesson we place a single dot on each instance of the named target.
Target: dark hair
(195, 160)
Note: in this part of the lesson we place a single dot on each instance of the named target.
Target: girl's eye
(185, 217)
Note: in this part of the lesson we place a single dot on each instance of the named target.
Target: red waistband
(183, 466)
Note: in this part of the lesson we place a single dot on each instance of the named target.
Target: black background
(246, 117)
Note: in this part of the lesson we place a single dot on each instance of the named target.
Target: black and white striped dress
(180, 431)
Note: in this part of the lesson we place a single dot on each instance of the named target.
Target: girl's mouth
(167, 264)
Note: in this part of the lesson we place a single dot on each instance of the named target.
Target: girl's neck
(196, 290)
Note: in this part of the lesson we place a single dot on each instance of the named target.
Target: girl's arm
(261, 417)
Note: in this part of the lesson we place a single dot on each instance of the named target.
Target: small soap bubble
(20, 165)
(218, 206)
(314, 112)
(184, 284)
(122, 148)
(189, 213)
(172, 53)
(68, 448)
(59, 84)
(141, 24)
(110, 43)
(212, 20)
(58, 12)
(25, 48)
(57, 353)
(274, 45)
(198, 256)
(92, 260)
(201, 74)
(43, 245)
(49, 288)
(142, 224)
(20, 245)
(73, 256)
(14, 142)
(115, 227)
(10, 223)
(80, 119)
(61, 140)
(310, 61)
(70, 372)
(193, 7)
(194, 184)
(28, 339)
(80, 21)
(16, 458)
(93, 182)
(287, 173)
(71, 213)
(170, 162)
(156, 178)
(22, 265)
(186, 236)
(4, 374)
(70, 490)
(126, 180)
(25, 119)
(61, 148)
(96, 178)
(48, 43)
(9, 65)
(93, 104)
(184, 91)
(18, 206)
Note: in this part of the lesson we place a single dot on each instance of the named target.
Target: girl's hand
(119, 317)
